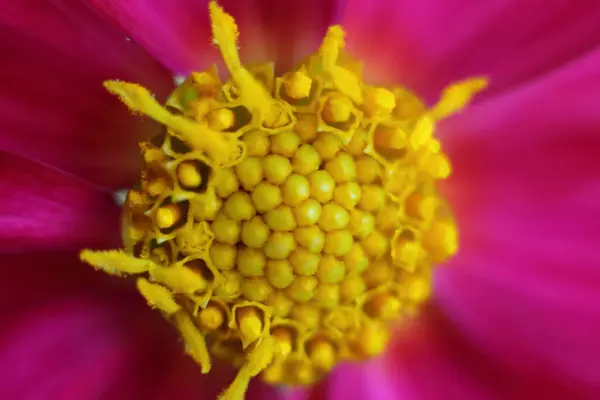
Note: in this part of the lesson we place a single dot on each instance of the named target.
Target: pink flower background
(515, 316)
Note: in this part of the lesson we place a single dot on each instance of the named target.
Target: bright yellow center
(285, 223)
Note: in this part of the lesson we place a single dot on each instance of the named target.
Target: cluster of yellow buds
(284, 223)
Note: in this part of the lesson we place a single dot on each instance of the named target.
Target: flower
(100, 331)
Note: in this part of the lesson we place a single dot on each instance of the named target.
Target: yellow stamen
(188, 175)
(167, 216)
(457, 96)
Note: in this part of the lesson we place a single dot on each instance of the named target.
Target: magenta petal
(54, 109)
(526, 285)
(43, 208)
(178, 32)
(432, 360)
(428, 44)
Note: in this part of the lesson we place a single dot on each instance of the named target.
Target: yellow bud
(251, 262)
(306, 160)
(255, 233)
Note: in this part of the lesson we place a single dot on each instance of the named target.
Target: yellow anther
(266, 196)
(255, 232)
(304, 261)
(342, 168)
(226, 183)
(361, 223)
(226, 230)
(331, 46)
(223, 256)
(285, 144)
(327, 295)
(352, 287)
(280, 245)
(116, 262)
(456, 97)
(322, 354)
(188, 174)
(296, 189)
(221, 119)
(239, 207)
(303, 288)
(308, 212)
(338, 243)
(331, 270)
(383, 306)
(388, 217)
(251, 262)
(356, 259)
(306, 160)
(257, 361)
(375, 244)
(367, 169)
(306, 128)
(179, 279)
(207, 207)
(441, 241)
(285, 339)
(406, 253)
(158, 296)
(211, 318)
(167, 216)
(328, 145)
(156, 187)
(251, 92)
(311, 238)
(276, 168)
(139, 99)
(307, 315)
(280, 273)
(347, 195)
(250, 323)
(390, 138)
(297, 85)
(379, 102)
(249, 172)
(280, 219)
(381, 272)
(439, 166)
(422, 132)
(337, 109)
(322, 186)
(280, 304)
(230, 287)
(333, 217)
(372, 339)
(372, 198)
(356, 146)
(257, 143)
(256, 289)
(194, 341)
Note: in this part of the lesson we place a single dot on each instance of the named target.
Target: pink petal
(526, 285)
(70, 332)
(427, 44)
(431, 360)
(54, 108)
(178, 33)
(44, 208)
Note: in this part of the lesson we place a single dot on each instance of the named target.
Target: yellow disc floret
(285, 223)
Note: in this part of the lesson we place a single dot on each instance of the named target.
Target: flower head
(521, 199)
(285, 223)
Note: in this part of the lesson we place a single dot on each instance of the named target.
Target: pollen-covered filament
(285, 223)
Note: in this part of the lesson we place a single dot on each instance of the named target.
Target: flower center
(285, 223)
